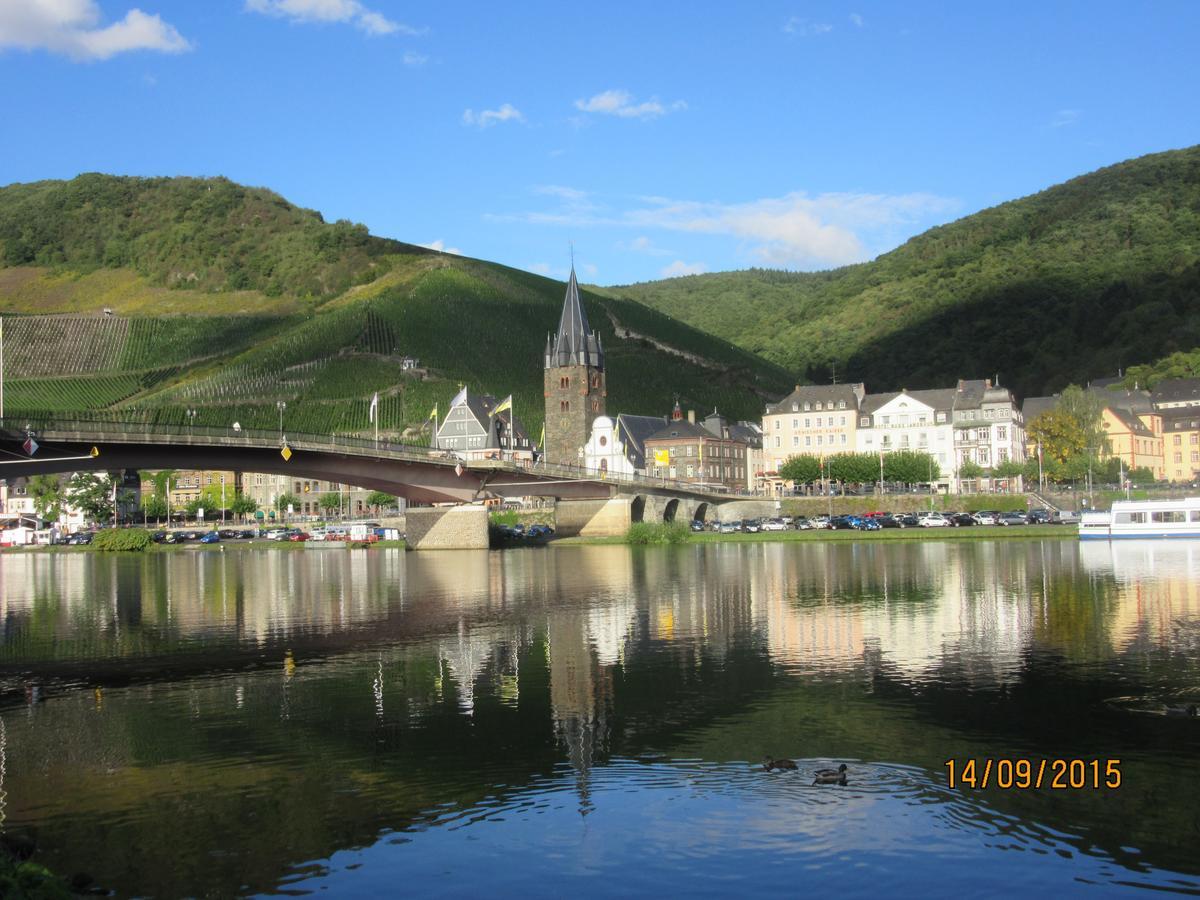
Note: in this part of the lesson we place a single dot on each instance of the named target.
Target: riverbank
(975, 533)
(196, 546)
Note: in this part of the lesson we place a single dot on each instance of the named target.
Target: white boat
(1143, 519)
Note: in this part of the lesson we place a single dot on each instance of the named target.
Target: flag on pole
(505, 404)
(433, 414)
(374, 407)
(542, 439)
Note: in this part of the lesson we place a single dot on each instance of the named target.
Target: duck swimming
(781, 764)
(830, 776)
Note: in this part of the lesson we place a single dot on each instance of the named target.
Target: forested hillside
(225, 300)
(1099, 273)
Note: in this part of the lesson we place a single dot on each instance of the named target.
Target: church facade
(575, 388)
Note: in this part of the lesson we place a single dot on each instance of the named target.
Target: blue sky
(660, 138)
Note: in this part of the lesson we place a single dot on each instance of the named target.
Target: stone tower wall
(568, 430)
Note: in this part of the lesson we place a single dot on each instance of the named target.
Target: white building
(911, 420)
(617, 445)
(989, 429)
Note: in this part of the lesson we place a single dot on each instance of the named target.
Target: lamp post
(281, 405)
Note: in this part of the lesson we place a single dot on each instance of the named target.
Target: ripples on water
(524, 722)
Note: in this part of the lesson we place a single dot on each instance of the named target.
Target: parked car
(908, 520)
(298, 537)
(821, 521)
(867, 523)
(888, 521)
(1012, 518)
(962, 519)
(934, 520)
(210, 537)
(697, 525)
(158, 537)
(774, 525)
(985, 517)
(752, 526)
(1039, 516)
(1064, 517)
(730, 527)
(801, 523)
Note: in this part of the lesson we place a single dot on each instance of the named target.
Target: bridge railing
(100, 431)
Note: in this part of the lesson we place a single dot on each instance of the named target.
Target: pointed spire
(575, 343)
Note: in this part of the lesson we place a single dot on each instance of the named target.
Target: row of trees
(94, 495)
(1074, 444)
(904, 466)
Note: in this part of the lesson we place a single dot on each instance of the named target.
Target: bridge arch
(701, 512)
(670, 510)
(637, 509)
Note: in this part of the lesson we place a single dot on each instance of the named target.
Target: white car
(317, 534)
(275, 534)
(934, 520)
(774, 525)
(984, 517)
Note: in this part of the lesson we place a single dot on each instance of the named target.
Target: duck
(1189, 710)
(830, 776)
(770, 763)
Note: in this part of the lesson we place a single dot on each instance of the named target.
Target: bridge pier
(593, 518)
(447, 528)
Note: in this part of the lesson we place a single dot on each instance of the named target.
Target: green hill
(1098, 273)
(142, 299)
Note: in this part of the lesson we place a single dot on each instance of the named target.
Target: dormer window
(841, 404)
(795, 407)
(818, 406)
(807, 406)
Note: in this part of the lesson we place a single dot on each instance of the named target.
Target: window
(595, 406)
(690, 470)
(1130, 518)
(864, 422)
(817, 407)
(595, 379)
(843, 422)
(690, 448)
(564, 382)
(843, 439)
(820, 440)
(1167, 515)
(841, 404)
(1002, 432)
(1178, 457)
(807, 441)
(1178, 439)
(808, 423)
(807, 406)
(1195, 456)
(795, 407)
(1195, 515)
(796, 440)
(776, 440)
(887, 420)
(818, 421)
(941, 417)
(795, 423)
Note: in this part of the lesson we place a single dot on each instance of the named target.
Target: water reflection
(198, 722)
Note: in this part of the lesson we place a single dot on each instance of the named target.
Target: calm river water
(592, 720)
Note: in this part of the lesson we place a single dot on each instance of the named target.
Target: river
(593, 720)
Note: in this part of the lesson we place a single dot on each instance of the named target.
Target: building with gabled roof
(618, 445)
(912, 420)
(473, 429)
(574, 381)
(813, 420)
(1175, 393)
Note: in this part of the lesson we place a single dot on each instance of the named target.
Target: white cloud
(72, 28)
(856, 20)
(414, 59)
(1066, 117)
(440, 246)
(795, 230)
(804, 28)
(679, 267)
(331, 11)
(621, 103)
(589, 269)
(643, 244)
(487, 117)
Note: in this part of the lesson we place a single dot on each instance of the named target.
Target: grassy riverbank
(976, 533)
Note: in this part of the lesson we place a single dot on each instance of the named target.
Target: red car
(299, 536)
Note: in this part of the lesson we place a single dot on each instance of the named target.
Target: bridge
(588, 502)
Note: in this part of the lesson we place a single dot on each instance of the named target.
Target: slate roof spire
(575, 344)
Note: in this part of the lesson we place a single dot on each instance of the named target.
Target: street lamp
(280, 405)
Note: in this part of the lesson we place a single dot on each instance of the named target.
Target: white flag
(374, 407)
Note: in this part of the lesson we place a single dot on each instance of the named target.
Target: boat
(1143, 519)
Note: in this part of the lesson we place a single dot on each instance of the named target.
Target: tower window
(596, 406)
(595, 379)
(564, 406)
(564, 382)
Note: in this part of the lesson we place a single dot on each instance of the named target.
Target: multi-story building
(912, 420)
(187, 485)
(1135, 438)
(265, 489)
(1181, 443)
(813, 420)
(474, 429)
(619, 445)
(574, 381)
(685, 451)
(989, 428)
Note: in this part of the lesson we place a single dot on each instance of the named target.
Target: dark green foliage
(205, 233)
(1075, 282)
(910, 467)
(852, 468)
(48, 494)
(657, 533)
(92, 494)
(242, 505)
(122, 539)
(154, 506)
(283, 501)
(1184, 364)
(802, 469)
(379, 500)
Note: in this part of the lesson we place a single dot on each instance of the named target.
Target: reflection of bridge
(418, 474)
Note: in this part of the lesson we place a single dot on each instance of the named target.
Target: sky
(656, 139)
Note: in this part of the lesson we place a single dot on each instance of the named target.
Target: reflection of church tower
(579, 695)
(574, 380)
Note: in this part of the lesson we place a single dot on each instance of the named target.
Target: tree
(154, 506)
(911, 467)
(971, 469)
(853, 468)
(1087, 409)
(47, 494)
(1059, 435)
(330, 501)
(283, 501)
(800, 469)
(91, 494)
(379, 499)
(194, 506)
(243, 506)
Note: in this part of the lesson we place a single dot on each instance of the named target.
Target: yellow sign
(95, 452)
(286, 452)
(662, 457)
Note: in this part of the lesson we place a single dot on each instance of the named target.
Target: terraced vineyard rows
(62, 345)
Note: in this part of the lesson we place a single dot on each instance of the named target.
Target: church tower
(574, 381)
